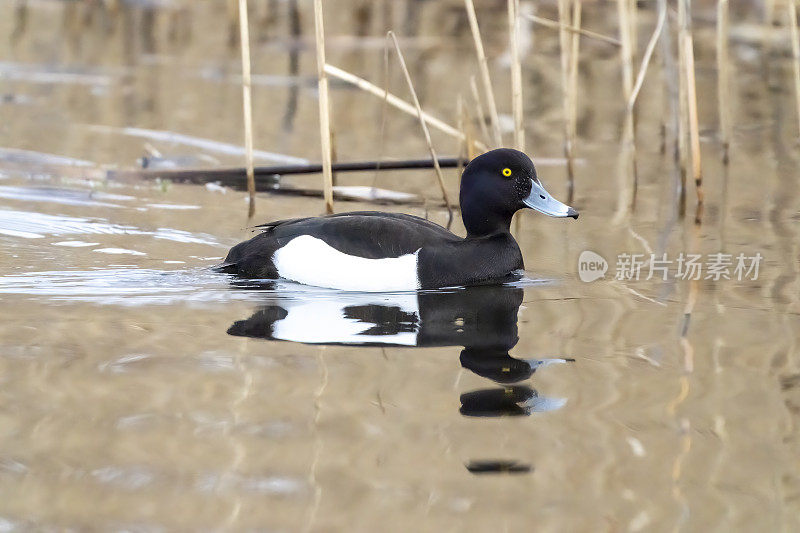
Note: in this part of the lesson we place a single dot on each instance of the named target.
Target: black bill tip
(572, 213)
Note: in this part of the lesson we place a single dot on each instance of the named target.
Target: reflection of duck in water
(482, 319)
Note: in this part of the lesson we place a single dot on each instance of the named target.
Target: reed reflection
(483, 320)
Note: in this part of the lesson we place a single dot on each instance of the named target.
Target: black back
(370, 234)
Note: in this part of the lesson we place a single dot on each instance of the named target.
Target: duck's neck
(480, 221)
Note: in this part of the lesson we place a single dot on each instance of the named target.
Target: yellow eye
(506, 172)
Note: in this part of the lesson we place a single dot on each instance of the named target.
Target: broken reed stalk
(422, 123)
(516, 75)
(795, 52)
(324, 108)
(473, 85)
(648, 54)
(723, 80)
(552, 24)
(483, 66)
(247, 87)
(691, 96)
(394, 101)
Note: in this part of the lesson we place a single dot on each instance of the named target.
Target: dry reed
(633, 20)
(691, 96)
(626, 50)
(465, 124)
(484, 70)
(723, 89)
(395, 101)
(486, 79)
(569, 71)
(669, 74)
(476, 97)
(795, 53)
(324, 108)
(648, 54)
(516, 75)
(423, 124)
(462, 144)
(683, 112)
(552, 24)
(247, 87)
(627, 196)
(573, 93)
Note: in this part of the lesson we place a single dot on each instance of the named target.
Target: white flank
(311, 261)
(324, 322)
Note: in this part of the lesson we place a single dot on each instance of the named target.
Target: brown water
(141, 391)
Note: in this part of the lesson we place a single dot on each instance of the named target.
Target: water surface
(142, 391)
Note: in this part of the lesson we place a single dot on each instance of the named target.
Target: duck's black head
(499, 183)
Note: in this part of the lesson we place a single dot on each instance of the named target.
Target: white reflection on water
(30, 225)
(122, 286)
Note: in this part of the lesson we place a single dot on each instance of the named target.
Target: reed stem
(473, 85)
(396, 102)
(723, 88)
(569, 71)
(683, 106)
(628, 155)
(552, 24)
(324, 108)
(436, 167)
(484, 70)
(691, 95)
(247, 87)
(795, 53)
(648, 54)
(516, 75)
